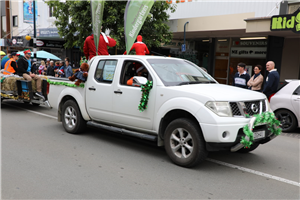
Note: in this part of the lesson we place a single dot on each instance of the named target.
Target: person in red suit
(139, 46)
(89, 48)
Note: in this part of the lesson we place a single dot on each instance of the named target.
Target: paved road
(41, 161)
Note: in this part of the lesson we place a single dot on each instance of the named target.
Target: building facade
(21, 25)
(220, 34)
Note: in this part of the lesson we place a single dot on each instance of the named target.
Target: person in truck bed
(22, 71)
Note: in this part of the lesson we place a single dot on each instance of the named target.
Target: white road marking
(38, 113)
(208, 159)
(255, 172)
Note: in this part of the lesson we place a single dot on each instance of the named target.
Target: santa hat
(27, 51)
(139, 38)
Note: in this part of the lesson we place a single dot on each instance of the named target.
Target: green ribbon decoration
(65, 84)
(266, 117)
(145, 95)
(83, 60)
(2, 79)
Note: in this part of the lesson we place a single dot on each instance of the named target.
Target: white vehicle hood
(221, 92)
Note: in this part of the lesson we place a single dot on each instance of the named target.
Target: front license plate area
(259, 134)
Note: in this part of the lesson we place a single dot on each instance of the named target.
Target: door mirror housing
(139, 80)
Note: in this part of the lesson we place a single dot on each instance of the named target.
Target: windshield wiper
(195, 82)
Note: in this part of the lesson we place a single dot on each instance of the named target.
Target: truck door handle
(118, 92)
(91, 88)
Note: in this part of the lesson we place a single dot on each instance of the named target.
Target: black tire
(187, 134)
(71, 118)
(247, 150)
(287, 120)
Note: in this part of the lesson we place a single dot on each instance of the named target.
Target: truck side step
(123, 131)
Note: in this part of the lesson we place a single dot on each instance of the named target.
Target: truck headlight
(220, 108)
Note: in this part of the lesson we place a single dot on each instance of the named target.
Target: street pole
(8, 27)
(184, 33)
(34, 31)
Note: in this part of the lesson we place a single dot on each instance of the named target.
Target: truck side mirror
(139, 80)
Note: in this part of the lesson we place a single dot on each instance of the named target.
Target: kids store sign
(286, 22)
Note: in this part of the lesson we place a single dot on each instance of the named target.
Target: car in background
(285, 103)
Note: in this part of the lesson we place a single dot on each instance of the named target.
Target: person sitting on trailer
(22, 71)
(11, 66)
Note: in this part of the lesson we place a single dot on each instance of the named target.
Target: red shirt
(140, 48)
(89, 48)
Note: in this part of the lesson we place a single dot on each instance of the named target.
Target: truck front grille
(247, 107)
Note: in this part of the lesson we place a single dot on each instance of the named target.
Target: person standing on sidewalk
(22, 71)
(256, 80)
(241, 78)
(272, 80)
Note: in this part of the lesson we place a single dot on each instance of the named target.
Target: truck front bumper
(228, 137)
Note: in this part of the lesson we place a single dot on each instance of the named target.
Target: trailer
(19, 89)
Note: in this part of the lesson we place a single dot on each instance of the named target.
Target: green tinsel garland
(266, 117)
(65, 84)
(145, 95)
(2, 79)
(83, 60)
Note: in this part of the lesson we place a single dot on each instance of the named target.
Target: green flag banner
(97, 7)
(135, 14)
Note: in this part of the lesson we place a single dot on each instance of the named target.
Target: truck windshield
(174, 72)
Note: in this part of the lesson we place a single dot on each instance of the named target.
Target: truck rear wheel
(71, 118)
(184, 143)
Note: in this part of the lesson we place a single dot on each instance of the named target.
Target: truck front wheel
(184, 143)
(71, 118)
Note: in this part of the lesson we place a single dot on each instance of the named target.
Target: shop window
(15, 21)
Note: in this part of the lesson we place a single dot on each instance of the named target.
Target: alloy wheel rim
(70, 117)
(182, 144)
(285, 120)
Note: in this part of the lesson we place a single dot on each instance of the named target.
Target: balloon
(3, 61)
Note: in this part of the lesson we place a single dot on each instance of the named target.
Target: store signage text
(286, 22)
(174, 44)
(39, 43)
(50, 43)
(250, 43)
(249, 52)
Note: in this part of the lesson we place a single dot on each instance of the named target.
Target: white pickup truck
(188, 111)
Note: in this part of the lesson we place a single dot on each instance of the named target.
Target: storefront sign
(39, 43)
(174, 44)
(247, 43)
(18, 41)
(47, 32)
(286, 22)
(248, 52)
(50, 43)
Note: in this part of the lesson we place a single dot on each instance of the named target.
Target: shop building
(219, 35)
(21, 24)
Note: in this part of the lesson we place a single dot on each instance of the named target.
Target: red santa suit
(89, 48)
(139, 46)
